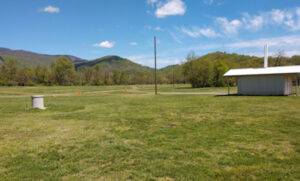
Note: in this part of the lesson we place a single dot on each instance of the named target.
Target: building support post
(297, 84)
(228, 86)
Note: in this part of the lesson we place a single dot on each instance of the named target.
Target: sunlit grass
(135, 135)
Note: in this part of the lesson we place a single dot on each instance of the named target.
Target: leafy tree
(116, 77)
(199, 72)
(12, 70)
(191, 56)
(124, 78)
(107, 78)
(295, 60)
(88, 74)
(25, 76)
(97, 78)
(3, 74)
(220, 68)
(1, 59)
(63, 71)
(41, 75)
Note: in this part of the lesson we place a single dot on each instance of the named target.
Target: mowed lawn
(107, 134)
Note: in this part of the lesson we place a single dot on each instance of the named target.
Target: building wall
(264, 85)
(288, 85)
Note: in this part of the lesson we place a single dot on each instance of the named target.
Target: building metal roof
(263, 71)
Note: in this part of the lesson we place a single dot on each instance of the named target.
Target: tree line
(208, 70)
(62, 72)
(205, 71)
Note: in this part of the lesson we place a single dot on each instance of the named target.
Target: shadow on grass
(239, 95)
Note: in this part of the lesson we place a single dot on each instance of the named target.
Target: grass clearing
(138, 136)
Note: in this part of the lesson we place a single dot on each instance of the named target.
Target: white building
(265, 81)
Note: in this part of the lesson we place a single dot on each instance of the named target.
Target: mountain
(169, 68)
(108, 63)
(31, 59)
(112, 63)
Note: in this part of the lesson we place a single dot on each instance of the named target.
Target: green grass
(139, 136)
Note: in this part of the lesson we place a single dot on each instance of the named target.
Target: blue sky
(94, 28)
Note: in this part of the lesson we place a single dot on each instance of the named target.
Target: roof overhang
(263, 71)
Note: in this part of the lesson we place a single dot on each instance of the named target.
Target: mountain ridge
(116, 63)
(32, 59)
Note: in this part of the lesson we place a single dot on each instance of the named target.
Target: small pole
(296, 84)
(155, 65)
(228, 88)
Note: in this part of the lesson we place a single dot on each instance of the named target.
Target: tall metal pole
(155, 65)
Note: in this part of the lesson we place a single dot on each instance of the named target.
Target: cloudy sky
(94, 28)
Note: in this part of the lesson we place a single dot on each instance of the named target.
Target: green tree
(295, 60)
(3, 74)
(25, 76)
(88, 74)
(220, 68)
(116, 77)
(124, 80)
(1, 60)
(97, 77)
(12, 70)
(199, 72)
(107, 78)
(41, 75)
(63, 71)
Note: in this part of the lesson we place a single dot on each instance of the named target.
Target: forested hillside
(204, 71)
(31, 59)
(208, 70)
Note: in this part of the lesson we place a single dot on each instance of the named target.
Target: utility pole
(155, 78)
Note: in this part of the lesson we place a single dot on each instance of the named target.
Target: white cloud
(151, 1)
(293, 41)
(293, 23)
(50, 9)
(287, 18)
(196, 32)
(175, 37)
(133, 43)
(209, 2)
(291, 53)
(273, 53)
(149, 60)
(105, 44)
(253, 22)
(159, 28)
(277, 15)
(170, 8)
(229, 27)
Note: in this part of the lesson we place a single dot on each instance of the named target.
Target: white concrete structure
(265, 81)
(266, 56)
(37, 102)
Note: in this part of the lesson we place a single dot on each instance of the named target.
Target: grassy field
(108, 134)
